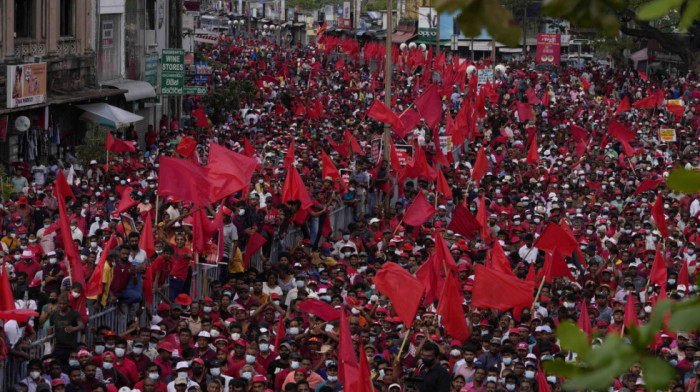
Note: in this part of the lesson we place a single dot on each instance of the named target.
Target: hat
(181, 380)
(166, 346)
(57, 381)
(162, 307)
(139, 342)
(35, 283)
(259, 378)
(183, 299)
(522, 346)
(182, 365)
(204, 334)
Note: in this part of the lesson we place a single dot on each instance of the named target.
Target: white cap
(182, 365)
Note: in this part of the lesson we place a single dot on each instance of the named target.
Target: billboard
(548, 48)
(344, 19)
(26, 84)
(427, 23)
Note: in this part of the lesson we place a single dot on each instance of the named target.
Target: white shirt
(13, 332)
(190, 384)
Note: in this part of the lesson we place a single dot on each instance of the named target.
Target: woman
(270, 285)
(49, 308)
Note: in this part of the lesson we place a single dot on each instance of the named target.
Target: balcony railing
(68, 46)
(29, 47)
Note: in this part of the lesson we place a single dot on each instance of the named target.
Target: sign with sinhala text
(195, 90)
(172, 72)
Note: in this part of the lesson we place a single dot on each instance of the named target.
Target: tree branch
(672, 43)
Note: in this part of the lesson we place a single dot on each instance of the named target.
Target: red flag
(94, 284)
(294, 189)
(201, 117)
(60, 189)
(255, 242)
(495, 290)
(248, 149)
(481, 218)
(395, 162)
(531, 274)
(677, 110)
(7, 302)
(224, 181)
(409, 119)
(620, 132)
(648, 185)
(443, 187)
(659, 273)
(584, 321)
(532, 97)
(554, 237)
(499, 260)
(532, 154)
(630, 313)
(586, 85)
(117, 145)
(348, 368)
(463, 222)
(146, 241)
(380, 112)
(657, 212)
(542, 385)
(555, 266)
(480, 166)
(364, 381)
(579, 134)
(354, 146)
(183, 179)
(642, 75)
(203, 230)
(126, 202)
(186, 147)
(328, 169)
(524, 111)
(280, 332)
(319, 309)
(289, 158)
(429, 106)
(443, 254)
(419, 211)
(402, 288)
(646, 103)
(624, 106)
(451, 311)
(683, 278)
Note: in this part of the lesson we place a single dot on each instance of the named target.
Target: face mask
(589, 232)
(455, 353)
(294, 365)
(249, 359)
(119, 352)
(98, 349)
(159, 252)
(552, 379)
(326, 298)
(381, 373)
(507, 360)
(111, 198)
(52, 260)
(691, 251)
(264, 347)
(671, 281)
(284, 356)
(673, 362)
(107, 365)
(484, 333)
(517, 223)
(75, 295)
(197, 371)
(235, 336)
(138, 350)
(293, 331)
(153, 376)
(34, 375)
(109, 346)
(428, 362)
(348, 254)
(332, 378)
(214, 333)
(491, 379)
(53, 300)
(510, 387)
(241, 212)
(247, 375)
(546, 357)
(73, 362)
(569, 305)
(207, 309)
(537, 220)
(529, 374)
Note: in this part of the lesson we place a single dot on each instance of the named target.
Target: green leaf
(613, 346)
(655, 9)
(657, 373)
(562, 368)
(685, 181)
(690, 15)
(601, 378)
(686, 318)
(572, 338)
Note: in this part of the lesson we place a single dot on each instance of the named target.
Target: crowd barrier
(14, 370)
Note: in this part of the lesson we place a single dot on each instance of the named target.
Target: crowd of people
(313, 99)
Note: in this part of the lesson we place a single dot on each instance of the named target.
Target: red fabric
(117, 145)
(648, 185)
(248, 149)
(94, 284)
(203, 230)
(223, 180)
(480, 166)
(185, 180)
(532, 155)
(642, 75)
(395, 162)
(443, 254)
(443, 187)
(409, 119)
(624, 106)
(7, 302)
(364, 381)
(280, 333)
(294, 189)
(657, 212)
(584, 321)
(495, 290)
(451, 311)
(532, 97)
(186, 147)
(586, 85)
(76, 271)
(555, 266)
(499, 260)
(659, 273)
(319, 308)
(20, 315)
(418, 167)
(328, 169)
(677, 110)
(201, 117)
(524, 111)
(429, 106)
(646, 103)
(381, 112)
(481, 218)
(402, 288)
(580, 134)
(354, 146)
(531, 277)
(620, 132)
(542, 385)
(463, 222)
(289, 157)
(683, 278)
(419, 211)
(348, 368)
(630, 313)
(126, 202)
(554, 237)
(255, 242)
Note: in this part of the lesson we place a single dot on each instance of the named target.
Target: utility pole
(387, 79)
(437, 34)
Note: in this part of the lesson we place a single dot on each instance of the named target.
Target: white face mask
(293, 331)
(455, 353)
(138, 350)
(507, 360)
(214, 333)
(294, 365)
(119, 352)
(249, 359)
(182, 374)
(264, 347)
(247, 375)
(153, 376)
(207, 309)
(215, 372)
(530, 374)
(107, 365)
(99, 349)
(491, 379)
(75, 295)
(332, 378)
(235, 336)
(34, 375)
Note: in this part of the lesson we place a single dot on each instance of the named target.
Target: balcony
(29, 47)
(68, 46)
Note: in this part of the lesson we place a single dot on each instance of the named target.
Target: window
(150, 14)
(24, 12)
(67, 14)
(109, 61)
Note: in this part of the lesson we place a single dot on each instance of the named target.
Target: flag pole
(397, 226)
(157, 202)
(403, 344)
(537, 296)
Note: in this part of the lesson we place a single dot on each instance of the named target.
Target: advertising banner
(548, 48)
(172, 72)
(26, 84)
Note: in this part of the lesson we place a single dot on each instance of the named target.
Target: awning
(402, 36)
(360, 32)
(137, 89)
(108, 115)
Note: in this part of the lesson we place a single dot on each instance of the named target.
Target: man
(435, 377)
(182, 378)
(75, 383)
(34, 375)
(151, 379)
(124, 364)
(137, 356)
(65, 325)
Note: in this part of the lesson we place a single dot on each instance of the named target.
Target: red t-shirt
(160, 264)
(180, 264)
